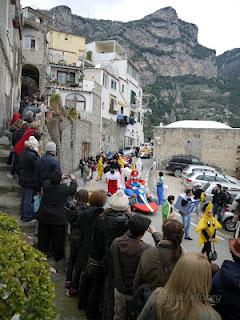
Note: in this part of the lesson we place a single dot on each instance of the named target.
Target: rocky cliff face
(184, 78)
(159, 44)
(229, 64)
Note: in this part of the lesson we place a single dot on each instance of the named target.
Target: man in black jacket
(219, 199)
(52, 214)
(127, 251)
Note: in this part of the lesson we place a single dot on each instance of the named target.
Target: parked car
(197, 167)
(128, 151)
(178, 162)
(146, 152)
(230, 219)
(209, 187)
(204, 177)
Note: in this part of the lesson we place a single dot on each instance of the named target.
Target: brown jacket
(155, 266)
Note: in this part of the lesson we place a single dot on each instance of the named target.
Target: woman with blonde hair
(186, 294)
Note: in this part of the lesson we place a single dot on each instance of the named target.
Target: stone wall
(217, 147)
(71, 135)
(112, 135)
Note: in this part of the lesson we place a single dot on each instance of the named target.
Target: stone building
(10, 60)
(121, 97)
(81, 137)
(35, 27)
(214, 143)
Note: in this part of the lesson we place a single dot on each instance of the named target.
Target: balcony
(122, 120)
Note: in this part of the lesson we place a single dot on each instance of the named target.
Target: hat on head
(234, 245)
(33, 143)
(51, 147)
(119, 201)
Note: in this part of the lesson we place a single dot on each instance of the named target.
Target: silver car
(205, 177)
(195, 167)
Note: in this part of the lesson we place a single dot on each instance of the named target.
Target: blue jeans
(217, 210)
(186, 219)
(27, 213)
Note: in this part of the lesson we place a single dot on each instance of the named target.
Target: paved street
(175, 188)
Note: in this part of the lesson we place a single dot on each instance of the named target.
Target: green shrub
(25, 285)
(8, 223)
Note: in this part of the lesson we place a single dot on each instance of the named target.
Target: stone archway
(30, 80)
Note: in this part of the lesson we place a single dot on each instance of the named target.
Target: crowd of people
(113, 271)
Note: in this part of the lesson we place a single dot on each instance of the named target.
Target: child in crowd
(167, 209)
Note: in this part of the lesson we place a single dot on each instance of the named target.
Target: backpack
(184, 202)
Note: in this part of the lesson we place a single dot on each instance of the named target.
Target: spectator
(110, 225)
(127, 251)
(167, 209)
(86, 174)
(16, 116)
(33, 130)
(47, 164)
(89, 220)
(219, 199)
(52, 215)
(185, 295)
(27, 163)
(74, 216)
(226, 284)
(157, 264)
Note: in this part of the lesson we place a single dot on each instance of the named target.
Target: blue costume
(160, 191)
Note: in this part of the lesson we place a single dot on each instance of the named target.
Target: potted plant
(55, 102)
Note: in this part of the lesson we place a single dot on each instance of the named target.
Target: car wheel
(177, 173)
(229, 224)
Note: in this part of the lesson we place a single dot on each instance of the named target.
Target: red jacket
(19, 146)
(16, 116)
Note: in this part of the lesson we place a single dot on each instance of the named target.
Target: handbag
(36, 202)
(213, 254)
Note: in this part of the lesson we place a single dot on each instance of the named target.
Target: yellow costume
(100, 168)
(208, 224)
(121, 162)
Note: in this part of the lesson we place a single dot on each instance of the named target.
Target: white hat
(119, 201)
(33, 143)
(51, 147)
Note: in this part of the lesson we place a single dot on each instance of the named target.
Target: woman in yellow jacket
(207, 227)
(100, 168)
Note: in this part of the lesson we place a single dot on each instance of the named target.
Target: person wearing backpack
(127, 251)
(186, 204)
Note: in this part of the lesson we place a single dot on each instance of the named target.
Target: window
(209, 178)
(122, 110)
(200, 177)
(195, 161)
(75, 100)
(29, 42)
(105, 80)
(133, 97)
(219, 179)
(62, 77)
(123, 88)
(113, 103)
(113, 84)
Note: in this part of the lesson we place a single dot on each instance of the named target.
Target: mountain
(182, 78)
(229, 64)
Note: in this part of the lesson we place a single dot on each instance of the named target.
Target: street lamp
(158, 141)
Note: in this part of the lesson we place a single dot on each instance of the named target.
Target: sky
(217, 20)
